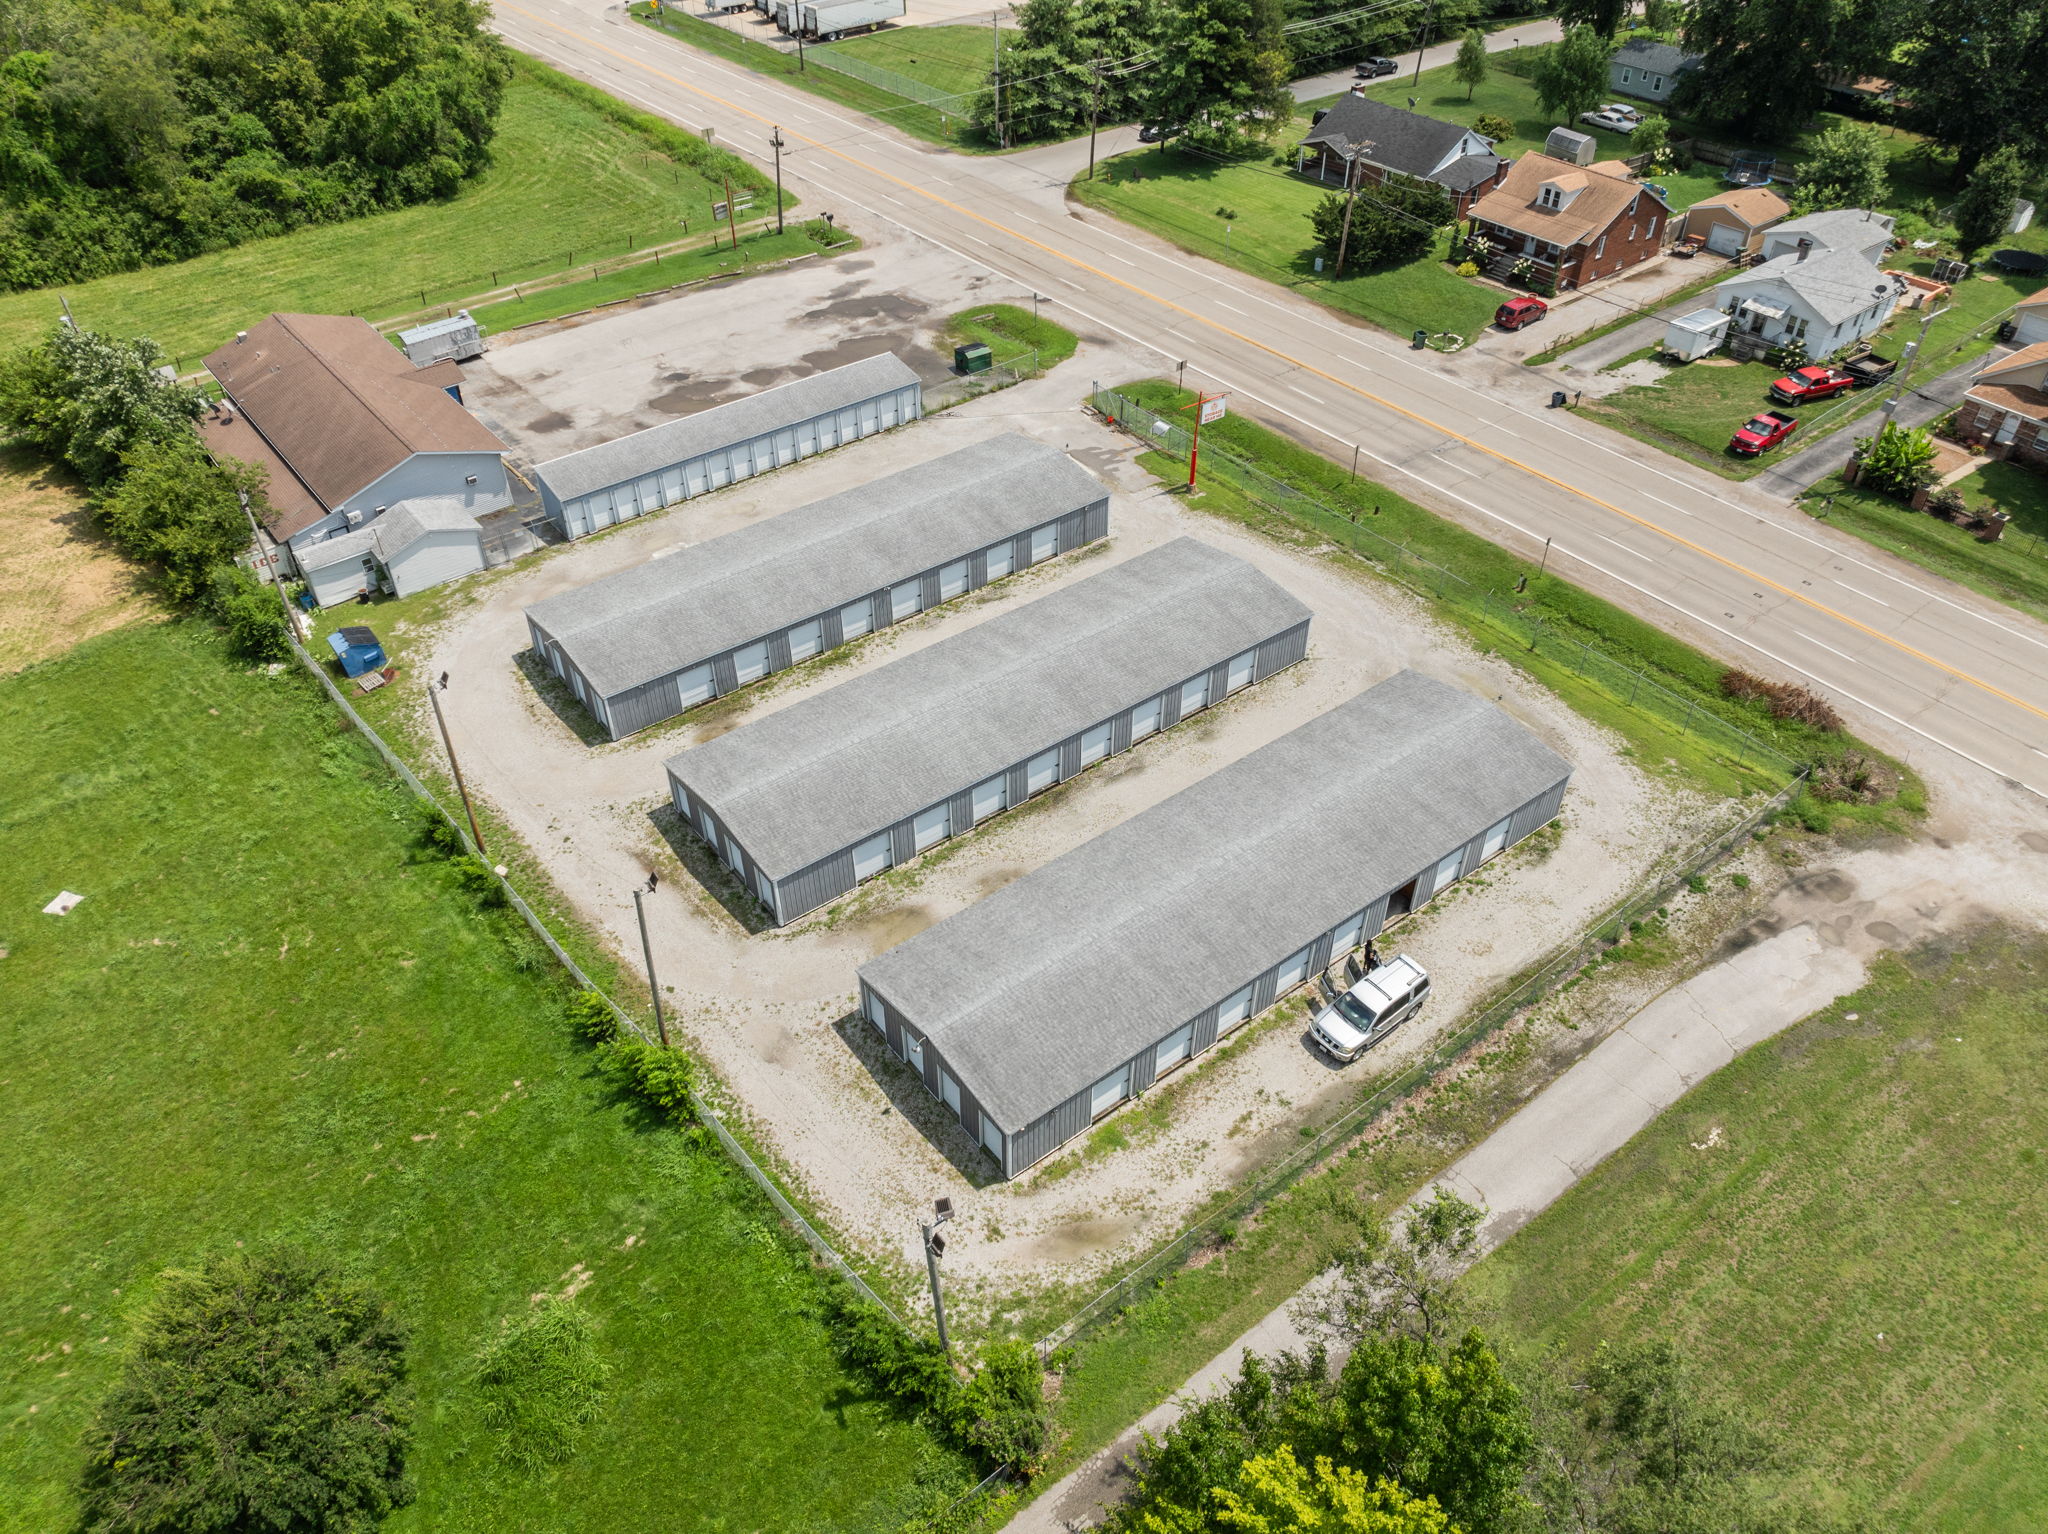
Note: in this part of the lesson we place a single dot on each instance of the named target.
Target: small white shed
(456, 338)
(1572, 146)
(1692, 336)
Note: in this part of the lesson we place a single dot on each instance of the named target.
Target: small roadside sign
(1214, 410)
(719, 210)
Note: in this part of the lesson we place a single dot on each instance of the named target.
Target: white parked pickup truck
(1376, 1004)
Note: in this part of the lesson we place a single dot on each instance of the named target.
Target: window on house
(1548, 197)
(1627, 75)
(1653, 228)
(1600, 249)
(1631, 231)
(1656, 82)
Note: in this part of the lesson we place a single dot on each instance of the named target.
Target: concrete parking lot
(771, 1011)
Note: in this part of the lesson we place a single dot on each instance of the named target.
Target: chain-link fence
(705, 1113)
(1443, 1055)
(887, 80)
(1625, 684)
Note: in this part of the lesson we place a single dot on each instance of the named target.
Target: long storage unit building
(1046, 1005)
(647, 470)
(806, 803)
(647, 643)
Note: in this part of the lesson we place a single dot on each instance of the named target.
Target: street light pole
(434, 695)
(647, 954)
(775, 143)
(1906, 363)
(934, 1244)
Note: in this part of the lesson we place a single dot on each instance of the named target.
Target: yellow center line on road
(1272, 351)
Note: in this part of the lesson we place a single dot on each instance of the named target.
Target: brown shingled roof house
(1573, 223)
(347, 426)
(2007, 408)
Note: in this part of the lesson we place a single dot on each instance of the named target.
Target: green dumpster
(975, 357)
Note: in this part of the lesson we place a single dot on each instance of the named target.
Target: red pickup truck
(1762, 433)
(1811, 383)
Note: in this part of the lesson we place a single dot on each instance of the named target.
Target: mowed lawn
(2014, 569)
(567, 186)
(1180, 198)
(1695, 407)
(954, 59)
(1847, 1229)
(272, 1018)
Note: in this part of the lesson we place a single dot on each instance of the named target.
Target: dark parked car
(1376, 66)
(1152, 133)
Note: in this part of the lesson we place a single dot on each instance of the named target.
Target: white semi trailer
(829, 19)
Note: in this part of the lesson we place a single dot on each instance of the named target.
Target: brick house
(1384, 141)
(2007, 407)
(1574, 223)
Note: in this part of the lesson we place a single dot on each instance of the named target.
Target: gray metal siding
(1282, 651)
(1095, 522)
(1039, 1139)
(814, 886)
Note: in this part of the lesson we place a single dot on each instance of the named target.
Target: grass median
(275, 1016)
(1849, 1221)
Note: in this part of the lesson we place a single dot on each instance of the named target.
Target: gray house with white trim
(647, 643)
(809, 801)
(1650, 70)
(629, 476)
(1044, 1007)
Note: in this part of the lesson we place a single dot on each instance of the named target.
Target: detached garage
(676, 460)
(809, 801)
(1047, 1005)
(414, 545)
(646, 644)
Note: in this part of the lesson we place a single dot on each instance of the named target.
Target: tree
(262, 1392)
(175, 509)
(1117, 32)
(1766, 64)
(1975, 76)
(1898, 460)
(1660, 16)
(1047, 85)
(1276, 1494)
(1846, 167)
(1570, 76)
(1652, 137)
(1402, 1284)
(1393, 222)
(247, 609)
(1470, 65)
(88, 399)
(1224, 67)
(1984, 211)
(1603, 16)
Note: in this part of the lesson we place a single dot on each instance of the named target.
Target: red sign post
(1207, 408)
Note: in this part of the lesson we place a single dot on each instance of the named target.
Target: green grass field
(568, 185)
(1177, 197)
(955, 59)
(273, 1017)
(1859, 1256)
(1694, 408)
(2014, 569)
(1012, 335)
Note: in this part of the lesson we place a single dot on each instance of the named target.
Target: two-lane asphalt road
(1914, 660)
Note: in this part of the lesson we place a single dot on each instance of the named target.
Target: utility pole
(995, 36)
(434, 694)
(1094, 114)
(732, 224)
(775, 143)
(647, 954)
(934, 1244)
(1428, 16)
(1350, 202)
(1906, 362)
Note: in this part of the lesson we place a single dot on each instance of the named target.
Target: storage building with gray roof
(647, 643)
(643, 472)
(807, 802)
(1040, 1009)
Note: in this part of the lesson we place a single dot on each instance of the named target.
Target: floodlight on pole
(934, 1245)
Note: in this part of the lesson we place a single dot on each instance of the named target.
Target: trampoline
(1751, 169)
(2025, 262)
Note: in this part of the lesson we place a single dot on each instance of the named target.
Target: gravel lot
(770, 1012)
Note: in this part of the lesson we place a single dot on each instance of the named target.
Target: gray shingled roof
(1834, 284)
(700, 601)
(1658, 58)
(823, 774)
(1403, 141)
(412, 519)
(740, 420)
(1852, 229)
(1041, 989)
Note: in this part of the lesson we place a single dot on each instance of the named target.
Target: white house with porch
(1824, 300)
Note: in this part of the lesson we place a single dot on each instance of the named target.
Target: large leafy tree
(1118, 34)
(1976, 75)
(1224, 68)
(89, 399)
(1570, 76)
(262, 1394)
(1390, 224)
(1603, 16)
(1985, 209)
(1845, 167)
(1277, 1494)
(179, 511)
(1765, 64)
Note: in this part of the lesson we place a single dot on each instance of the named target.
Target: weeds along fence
(1624, 683)
(705, 1113)
(1442, 1056)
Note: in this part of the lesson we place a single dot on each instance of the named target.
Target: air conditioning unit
(355, 519)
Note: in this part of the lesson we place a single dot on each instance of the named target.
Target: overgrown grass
(757, 249)
(1695, 407)
(1849, 1224)
(274, 1016)
(1183, 198)
(951, 129)
(2014, 569)
(1013, 334)
(571, 181)
(1684, 747)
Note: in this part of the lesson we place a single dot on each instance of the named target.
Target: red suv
(1517, 312)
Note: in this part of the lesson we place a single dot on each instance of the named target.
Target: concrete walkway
(1569, 1128)
(1543, 30)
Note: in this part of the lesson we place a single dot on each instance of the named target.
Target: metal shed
(809, 801)
(645, 644)
(457, 337)
(1042, 1008)
(650, 469)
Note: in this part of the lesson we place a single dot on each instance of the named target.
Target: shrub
(1898, 460)
(1852, 777)
(592, 1017)
(247, 610)
(478, 882)
(1003, 1410)
(1494, 126)
(437, 832)
(1468, 268)
(539, 1379)
(1785, 700)
(264, 1391)
(662, 1078)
